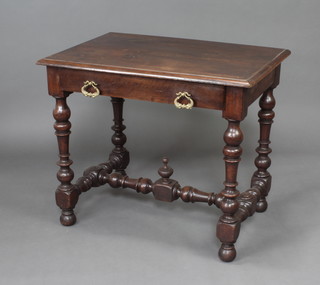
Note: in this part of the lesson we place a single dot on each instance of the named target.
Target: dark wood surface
(172, 58)
(225, 77)
(141, 88)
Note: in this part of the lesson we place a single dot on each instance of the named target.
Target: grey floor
(127, 238)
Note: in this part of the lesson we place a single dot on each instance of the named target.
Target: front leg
(228, 227)
(66, 194)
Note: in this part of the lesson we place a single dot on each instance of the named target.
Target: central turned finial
(165, 171)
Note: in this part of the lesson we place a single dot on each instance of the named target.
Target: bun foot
(67, 218)
(227, 252)
(262, 206)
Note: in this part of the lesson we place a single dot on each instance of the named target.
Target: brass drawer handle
(183, 106)
(90, 84)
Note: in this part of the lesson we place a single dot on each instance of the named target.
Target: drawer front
(137, 87)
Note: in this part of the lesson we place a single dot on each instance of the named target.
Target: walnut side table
(186, 73)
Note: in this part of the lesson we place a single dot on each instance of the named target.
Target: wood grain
(221, 76)
(172, 58)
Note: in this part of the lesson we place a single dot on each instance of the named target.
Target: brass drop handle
(183, 106)
(90, 84)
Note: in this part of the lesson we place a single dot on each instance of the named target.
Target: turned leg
(228, 227)
(119, 155)
(262, 178)
(66, 194)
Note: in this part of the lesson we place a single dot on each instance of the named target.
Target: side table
(186, 73)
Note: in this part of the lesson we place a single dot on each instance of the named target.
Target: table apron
(136, 87)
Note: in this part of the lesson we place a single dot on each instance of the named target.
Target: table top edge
(169, 76)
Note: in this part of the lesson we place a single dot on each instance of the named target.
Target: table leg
(228, 226)
(262, 177)
(119, 154)
(66, 194)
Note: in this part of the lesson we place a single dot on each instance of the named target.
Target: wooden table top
(172, 58)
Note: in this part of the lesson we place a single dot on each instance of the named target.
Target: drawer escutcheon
(90, 84)
(185, 95)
